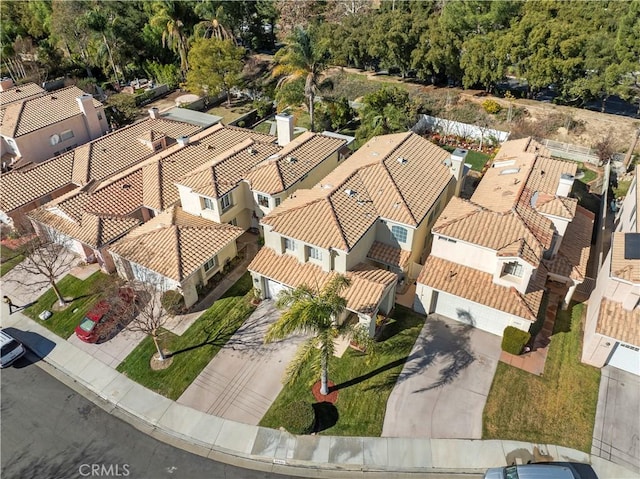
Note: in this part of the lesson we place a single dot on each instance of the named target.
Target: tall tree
(168, 17)
(311, 311)
(388, 110)
(214, 24)
(302, 57)
(216, 66)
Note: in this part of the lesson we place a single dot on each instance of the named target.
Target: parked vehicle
(106, 316)
(12, 349)
(547, 470)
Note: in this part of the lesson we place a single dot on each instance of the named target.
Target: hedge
(300, 418)
(514, 339)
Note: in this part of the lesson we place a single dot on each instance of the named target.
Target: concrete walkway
(272, 450)
(245, 377)
(444, 384)
(616, 434)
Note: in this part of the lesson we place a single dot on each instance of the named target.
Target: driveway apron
(245, 377)
(443, 387)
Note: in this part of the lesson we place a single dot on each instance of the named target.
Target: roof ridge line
(520, 298)
(337, 223)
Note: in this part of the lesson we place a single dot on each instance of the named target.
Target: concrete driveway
(443, 387)
(616, 434)
(113, 351)
(245, 377)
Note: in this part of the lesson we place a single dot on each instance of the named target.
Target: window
(314, 253)
(226, 201)
(233, 222)
(66, 135)
(277, 201)
(263, 200)
(209, 265)
(208, 204)
(289, 244)
(99, 116)
(443, 238)
(513, 269)
(399, 233)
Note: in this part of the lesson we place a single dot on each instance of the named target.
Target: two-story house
(612, 330)
(35, 129)
(491, 255)
(10, 93)
(210, 175)
(368, 219)
(26, 188)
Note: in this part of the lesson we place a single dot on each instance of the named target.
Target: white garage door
(480, 316)
(626, 357)
(273, 288)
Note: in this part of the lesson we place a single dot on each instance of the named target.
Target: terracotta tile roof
(396, 177)
(618, 323)
(478, 286)
(92, 230)
(294, 161)
(175, 244)
(520, 169)
(31, 114)
(390, 255)
(20, 92)
(626, 269)
(573, 254)
(368, 284)
(97, 159)
(520, 230)
(556, 206)
(637, 179)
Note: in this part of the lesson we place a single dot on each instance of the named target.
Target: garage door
(480, 316)
(273, 288)
(626, 357)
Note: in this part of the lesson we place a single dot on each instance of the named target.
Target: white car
(12, 349)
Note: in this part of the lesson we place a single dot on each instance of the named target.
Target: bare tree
(46, 259)
(604, 148)
(156, 304)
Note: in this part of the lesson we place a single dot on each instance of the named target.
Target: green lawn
(476, 159)
(557, 408)
(85, 294)
(229, 114)
(364, 383)
(589, 174)
(264, 127)
(195, 348)
(10, 258)
(622, 189)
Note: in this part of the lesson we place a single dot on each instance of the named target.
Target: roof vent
(252, 150)
(182, 141)
(350, 193)
(402, 160)
(210, 147)
(126, 186)
(291, 159)
(509, 171)
(327, 186)
(54, 97)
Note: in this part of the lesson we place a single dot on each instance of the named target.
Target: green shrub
(491, 106)
(172, 301)
(299, 418)
(514, 339)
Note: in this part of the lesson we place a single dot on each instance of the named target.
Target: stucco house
(26, 188)
(492, 255)
(209, 174)
(368, 219)
(177, 250)
(612, 329)
(37, 128)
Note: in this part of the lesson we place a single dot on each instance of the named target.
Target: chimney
(456, 167)
(565, 184)
(182, 140)
(154, 113)
(6, 83)
(284, 122)
(88, 110)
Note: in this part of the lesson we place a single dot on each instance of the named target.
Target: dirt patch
(157, 364)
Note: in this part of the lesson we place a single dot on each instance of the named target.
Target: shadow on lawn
(438, 341)
(326, 416)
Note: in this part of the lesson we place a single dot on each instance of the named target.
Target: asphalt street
(51, 432)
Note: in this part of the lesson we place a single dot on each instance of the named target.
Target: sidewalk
(277, 451)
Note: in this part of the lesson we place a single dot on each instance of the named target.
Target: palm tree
(301, 57)
(316, 312)
(173, 32)
(213, 27)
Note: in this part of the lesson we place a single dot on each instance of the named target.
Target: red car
(105, 316)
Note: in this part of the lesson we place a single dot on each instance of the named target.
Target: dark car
(106, 316)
